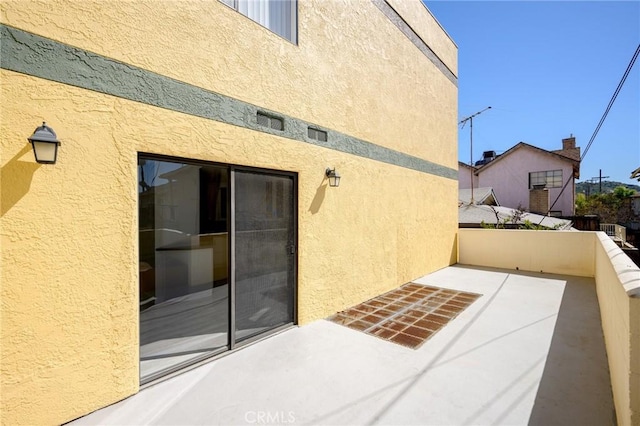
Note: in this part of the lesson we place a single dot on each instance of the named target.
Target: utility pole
(589, 182)
(600, 179)
(463, 122)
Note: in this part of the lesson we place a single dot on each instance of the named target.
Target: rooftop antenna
(463, 122)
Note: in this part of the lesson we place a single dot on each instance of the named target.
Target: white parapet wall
(555, 252)
(618, 286)
(590, 254)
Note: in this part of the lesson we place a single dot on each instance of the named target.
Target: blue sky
(548, 69)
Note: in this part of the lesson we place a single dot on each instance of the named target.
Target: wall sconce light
(45, 144)
(334, 177)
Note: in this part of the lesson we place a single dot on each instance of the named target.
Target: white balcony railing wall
(587, 254)
(616, 232)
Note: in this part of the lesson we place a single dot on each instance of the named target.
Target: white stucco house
(529, 177)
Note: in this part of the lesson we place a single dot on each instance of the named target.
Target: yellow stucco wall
(348, 50)
(69, 310)
(69, 231)
(430, 30)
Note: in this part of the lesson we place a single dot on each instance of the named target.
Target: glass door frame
(232, 345)
(232, 240)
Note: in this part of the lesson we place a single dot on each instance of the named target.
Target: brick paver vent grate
(408, 315)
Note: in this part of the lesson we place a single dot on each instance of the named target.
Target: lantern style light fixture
(333, 176)
(45, 144)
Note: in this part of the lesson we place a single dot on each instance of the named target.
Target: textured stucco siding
(348, 49)
(69, 299)
(69, 260)
(429, 30)
(509, 178)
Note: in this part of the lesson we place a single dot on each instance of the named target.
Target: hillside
(607, 186)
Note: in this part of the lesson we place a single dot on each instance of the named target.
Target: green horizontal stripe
(33, 55)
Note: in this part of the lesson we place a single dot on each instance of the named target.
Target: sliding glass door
(264, 252)
(184, 286)
(217, 259)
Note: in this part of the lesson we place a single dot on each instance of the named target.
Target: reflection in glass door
(264, 241)
(184, 288)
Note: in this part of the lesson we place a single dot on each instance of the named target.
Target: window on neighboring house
(280, 16)
(550, 179)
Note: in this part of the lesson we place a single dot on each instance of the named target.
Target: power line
(604, 116)
(613, 98)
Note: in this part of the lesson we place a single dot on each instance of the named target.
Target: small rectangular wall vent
(270, 121)
(317, 134)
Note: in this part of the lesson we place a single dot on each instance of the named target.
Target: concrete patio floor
(529, 351)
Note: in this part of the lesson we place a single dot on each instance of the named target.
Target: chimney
(569, 143)
(570, 150)
(539, 199)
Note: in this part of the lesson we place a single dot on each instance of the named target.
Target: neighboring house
(467, 174)
(486, 210)
(478, 215)
(189, 212)
(635, 174)
(532, 178)
(480, 196)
